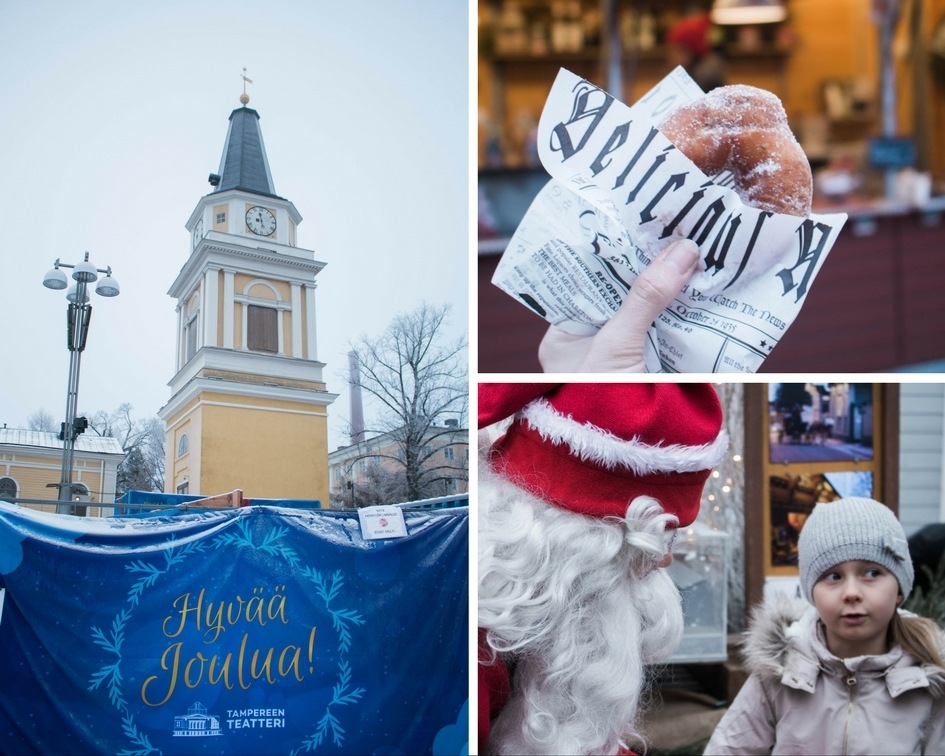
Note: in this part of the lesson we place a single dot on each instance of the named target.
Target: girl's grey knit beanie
(849, 529)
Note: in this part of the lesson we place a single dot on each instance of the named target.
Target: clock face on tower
(260, 221)
(198, 232)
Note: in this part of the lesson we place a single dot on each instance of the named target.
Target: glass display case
(700, 563)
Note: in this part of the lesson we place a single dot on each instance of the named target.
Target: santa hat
(591, 448)
(691, 33)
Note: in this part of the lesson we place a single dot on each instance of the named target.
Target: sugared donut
(745, 130)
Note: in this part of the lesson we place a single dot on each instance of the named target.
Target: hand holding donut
(737, 129)
(618, 346)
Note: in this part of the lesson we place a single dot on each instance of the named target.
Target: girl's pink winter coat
(801, 699)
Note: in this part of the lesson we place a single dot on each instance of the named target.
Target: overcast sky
(112, 115)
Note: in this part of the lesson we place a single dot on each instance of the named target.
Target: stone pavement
(680, 725)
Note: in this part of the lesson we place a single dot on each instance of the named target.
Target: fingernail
(682, 255)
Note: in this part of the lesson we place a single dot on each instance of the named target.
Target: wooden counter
(878, 303)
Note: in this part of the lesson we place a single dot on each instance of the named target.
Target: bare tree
(42, 420)
(143, 444)
(420, 382)
(156, 437)
(377, 484)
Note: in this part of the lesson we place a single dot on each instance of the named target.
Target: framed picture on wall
(820, 422)
(792, 498)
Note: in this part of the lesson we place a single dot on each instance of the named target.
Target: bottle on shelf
(646, 32)
(511, 35)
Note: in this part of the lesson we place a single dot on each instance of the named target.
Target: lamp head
(85, 271)
(74, 295)
(107, 287)
(55, 278)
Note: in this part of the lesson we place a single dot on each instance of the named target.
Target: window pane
(191, 338)
(7, 488)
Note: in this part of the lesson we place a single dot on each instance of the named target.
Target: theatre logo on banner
(244, 631)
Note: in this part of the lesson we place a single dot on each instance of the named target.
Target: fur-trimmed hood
(785, 642)
(768, 642)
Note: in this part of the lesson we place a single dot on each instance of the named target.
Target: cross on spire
(244, 98)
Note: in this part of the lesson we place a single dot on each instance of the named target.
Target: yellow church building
(249, 406)
(31, 468)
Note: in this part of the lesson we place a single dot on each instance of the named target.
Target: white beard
(577, 605)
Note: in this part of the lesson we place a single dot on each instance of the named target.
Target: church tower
(249, 407)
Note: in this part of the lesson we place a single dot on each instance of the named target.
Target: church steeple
(244, 164)
(243, 200)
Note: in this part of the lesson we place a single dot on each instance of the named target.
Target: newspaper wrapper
(619, 193)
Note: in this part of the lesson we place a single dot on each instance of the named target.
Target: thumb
(656, 287)
(620, 342)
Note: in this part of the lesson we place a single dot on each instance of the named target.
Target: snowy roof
(86, 442)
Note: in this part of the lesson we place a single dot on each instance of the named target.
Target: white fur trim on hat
(590, 443)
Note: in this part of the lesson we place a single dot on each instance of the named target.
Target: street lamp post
(78, 317)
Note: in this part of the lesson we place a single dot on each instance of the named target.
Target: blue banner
(260, 630)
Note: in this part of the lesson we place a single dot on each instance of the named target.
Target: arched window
(80, 493)
(7, 489)
(263, 308)
(183, 445)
